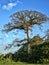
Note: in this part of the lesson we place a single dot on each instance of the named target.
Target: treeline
(38, 53)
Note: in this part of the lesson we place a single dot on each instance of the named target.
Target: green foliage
(39, 54)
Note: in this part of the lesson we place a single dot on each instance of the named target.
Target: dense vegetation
(39, 53)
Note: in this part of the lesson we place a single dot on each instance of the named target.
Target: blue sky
(8, 7)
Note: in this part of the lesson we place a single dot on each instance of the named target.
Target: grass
(8, 61)
(14, 63)
(17, 63)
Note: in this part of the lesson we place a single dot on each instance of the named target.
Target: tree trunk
(28, 48)
(28, 40)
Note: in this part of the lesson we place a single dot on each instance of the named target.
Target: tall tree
(24, 20)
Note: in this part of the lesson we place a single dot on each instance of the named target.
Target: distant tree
(47, 35)
(24, 20)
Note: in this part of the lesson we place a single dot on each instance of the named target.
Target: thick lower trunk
(28, 39)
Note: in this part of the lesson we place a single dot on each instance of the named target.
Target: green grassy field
(10, 62)
(18, 63)
(15, 63)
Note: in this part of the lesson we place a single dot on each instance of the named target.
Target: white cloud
(9, 6)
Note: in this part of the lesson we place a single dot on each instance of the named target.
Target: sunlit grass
(17, 63)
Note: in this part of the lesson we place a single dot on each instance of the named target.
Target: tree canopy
(25, 19)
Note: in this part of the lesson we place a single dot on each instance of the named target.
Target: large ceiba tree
(24, 20)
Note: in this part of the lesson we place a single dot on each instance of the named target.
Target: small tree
(24, 20)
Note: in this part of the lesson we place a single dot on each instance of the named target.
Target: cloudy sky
(8, 7)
